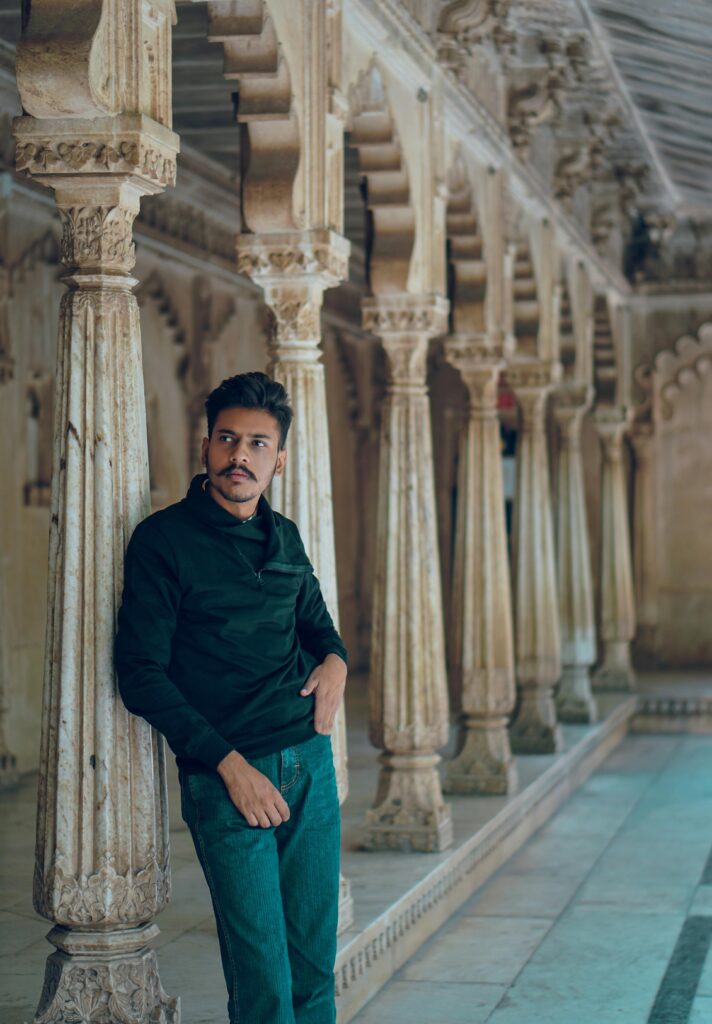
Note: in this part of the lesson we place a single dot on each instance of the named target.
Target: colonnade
(102, 871)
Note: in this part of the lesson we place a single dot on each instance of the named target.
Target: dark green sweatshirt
(211, 650)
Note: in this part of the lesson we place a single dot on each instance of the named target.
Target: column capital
(314, 258)
(612, 424)
(533, 375)
(474, 351)
(403, 313)
(570, 402)
(479, 363)
(69, 153)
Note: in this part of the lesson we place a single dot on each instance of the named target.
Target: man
(225, 645)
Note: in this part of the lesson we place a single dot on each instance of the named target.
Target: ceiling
(659, 52)
(662, 53)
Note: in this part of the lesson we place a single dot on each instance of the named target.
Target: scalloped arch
(390, 232)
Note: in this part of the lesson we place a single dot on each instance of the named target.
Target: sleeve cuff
(211, 749)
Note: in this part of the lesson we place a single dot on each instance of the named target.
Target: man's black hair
(251, 391)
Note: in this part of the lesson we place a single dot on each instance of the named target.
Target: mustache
(236, 469)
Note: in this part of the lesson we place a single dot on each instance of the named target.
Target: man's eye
(259, 444)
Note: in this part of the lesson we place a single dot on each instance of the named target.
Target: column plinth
(615, 671)
(408, 699)
(102, 854)
(536, 620)
(574, 700)
(294, 269)
(482, 657)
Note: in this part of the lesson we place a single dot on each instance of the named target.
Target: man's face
(241, 457)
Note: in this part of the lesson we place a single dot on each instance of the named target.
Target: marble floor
(585, 924)
(604, 916)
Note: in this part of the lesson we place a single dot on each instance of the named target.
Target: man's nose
(240, 452)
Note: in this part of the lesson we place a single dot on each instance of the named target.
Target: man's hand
(252, 793)
(328, 681)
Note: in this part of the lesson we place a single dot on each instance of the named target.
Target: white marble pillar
(574, 700)
(482, 655)
(294, 269)
(102, 856)
(537, 639)
(617, 620)
(645, 548)
(408, 699)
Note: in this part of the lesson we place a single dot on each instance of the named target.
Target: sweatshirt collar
(199, 502)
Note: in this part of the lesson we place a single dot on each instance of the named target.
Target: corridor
(604, 916)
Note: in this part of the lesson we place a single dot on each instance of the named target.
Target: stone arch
(390, 232)
(269, 142)
(526, 309)
(605, 357)
(680, 369)
(466, 267)
(165, 361)
(568, 349)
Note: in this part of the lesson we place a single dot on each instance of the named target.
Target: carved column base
(409, 813)
(346, 906)
(105, 978)
(484, 763)
(535, 730)
(616, 670)
(574, 701)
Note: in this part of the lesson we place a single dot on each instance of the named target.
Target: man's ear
(204, 451)
(281, 459)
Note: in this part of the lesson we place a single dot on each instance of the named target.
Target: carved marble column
(574, 700)
(102, 856)
(537, 639)
(645, 549)
(294, 269)
(482, 655)
(408, 700)
(617, 601)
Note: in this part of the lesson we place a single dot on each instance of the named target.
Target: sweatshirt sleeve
(146, 625)
(315, 626)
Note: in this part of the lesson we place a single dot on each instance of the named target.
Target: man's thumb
(309, 687)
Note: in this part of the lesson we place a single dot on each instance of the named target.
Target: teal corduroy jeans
(274, 891)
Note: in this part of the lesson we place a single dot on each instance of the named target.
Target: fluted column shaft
(102, 855)
(294, 269)
(408, 699)
(574, 700)
(537, 639)
(617, 623)
(482, 655)
(645, 551)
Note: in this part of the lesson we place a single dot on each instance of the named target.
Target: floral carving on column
(482, 655)
(574, 700)
(408, 698)
(294, 269)
(102, 855)
(536, 608)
